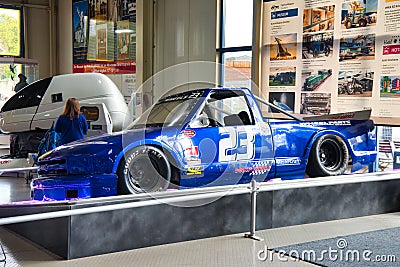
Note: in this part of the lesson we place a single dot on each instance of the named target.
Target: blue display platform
(97, 226)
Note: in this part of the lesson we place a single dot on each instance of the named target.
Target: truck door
(226, 144)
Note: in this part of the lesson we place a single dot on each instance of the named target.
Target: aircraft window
(29, 96)
(56, 98)
(91, 113)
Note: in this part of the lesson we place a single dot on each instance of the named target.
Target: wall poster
(104, 36)
(328, 56)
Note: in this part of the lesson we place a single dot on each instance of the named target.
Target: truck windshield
(167, 112)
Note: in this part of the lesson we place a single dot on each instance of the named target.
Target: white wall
(38, 40)
(64, 37)
(185, 31)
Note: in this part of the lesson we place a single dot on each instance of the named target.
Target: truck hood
(108, 144)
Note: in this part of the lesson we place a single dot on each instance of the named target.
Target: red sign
(391, 49)
(117, 67)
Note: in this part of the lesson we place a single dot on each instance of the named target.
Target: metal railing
(113, 207)
(180, 196)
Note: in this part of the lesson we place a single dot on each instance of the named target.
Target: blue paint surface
(202, 156)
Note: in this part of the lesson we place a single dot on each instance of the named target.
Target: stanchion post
(253, 190)
(4, 254)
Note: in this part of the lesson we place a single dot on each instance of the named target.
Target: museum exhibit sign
(104, 36)
(322, 57)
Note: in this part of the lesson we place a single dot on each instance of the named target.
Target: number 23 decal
(235, 144)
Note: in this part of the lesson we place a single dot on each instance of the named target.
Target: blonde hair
(71, 108)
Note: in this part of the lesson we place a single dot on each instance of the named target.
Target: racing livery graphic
(204, 137)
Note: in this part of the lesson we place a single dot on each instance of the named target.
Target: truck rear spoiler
(279, 109)
(353, 115)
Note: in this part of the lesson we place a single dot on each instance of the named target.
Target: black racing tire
(348, 24)
(362, 23)
(143, 169)
(329, 157)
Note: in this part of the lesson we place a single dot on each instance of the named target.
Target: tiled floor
(231, 250)
(13, 187)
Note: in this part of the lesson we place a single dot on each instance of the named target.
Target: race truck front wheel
(143, 169)
(329, 157)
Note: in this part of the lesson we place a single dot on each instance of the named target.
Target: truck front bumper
(73, 187)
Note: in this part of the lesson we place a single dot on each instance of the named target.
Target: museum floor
(230, 250)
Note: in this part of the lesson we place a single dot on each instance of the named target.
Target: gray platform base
(118, 230)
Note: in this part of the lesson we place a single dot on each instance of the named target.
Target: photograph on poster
(359, 47)
(123, 39)
(113, 10)
(80, 23)
(356, 60)
(357, 83)
(315, 103)
(131, 8)
(359, 13)
(92, 9)
(315, 80)
(98, 9)
(318, 45)
(284, 100)
(101, 41)
(283, 47)
(390, 86)
(108, 35)
(282, 76)
(319, 19)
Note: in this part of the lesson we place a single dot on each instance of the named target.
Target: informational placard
(104, 36)
(327, 56)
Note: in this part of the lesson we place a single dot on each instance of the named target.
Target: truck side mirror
(200, 121)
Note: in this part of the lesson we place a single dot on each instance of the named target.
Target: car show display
(199, 138)
(197, 122)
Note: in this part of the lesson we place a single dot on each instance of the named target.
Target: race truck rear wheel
(143, 169)
(329, 156)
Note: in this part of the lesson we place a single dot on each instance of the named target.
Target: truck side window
(230, 108)
(30, 96)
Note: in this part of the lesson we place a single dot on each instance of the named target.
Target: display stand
(252, 235)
